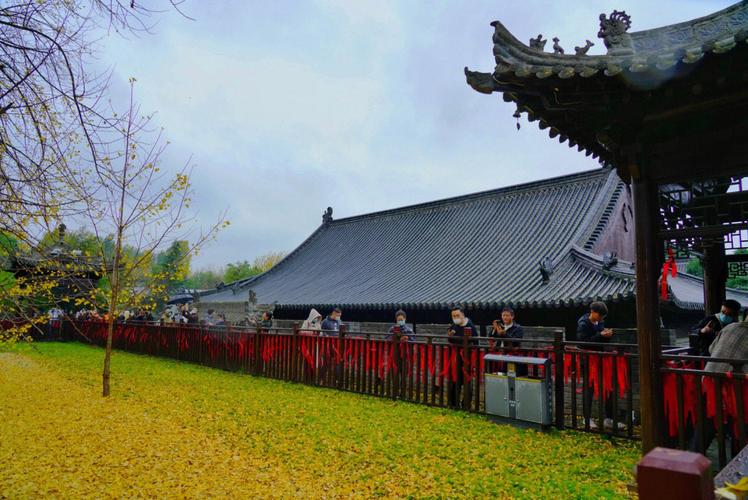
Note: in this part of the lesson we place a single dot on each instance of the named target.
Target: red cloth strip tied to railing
(449, 363)
(241, 346)
(307, 347)
(735, 381)
(131, 334)
(468, 365)
(182, 341)
(594, 360)
(211, 344)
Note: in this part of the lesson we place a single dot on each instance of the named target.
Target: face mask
(457, 321)
(401, 322)
(725, 319)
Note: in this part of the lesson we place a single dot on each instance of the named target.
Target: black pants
(454, 389)
(589, 405)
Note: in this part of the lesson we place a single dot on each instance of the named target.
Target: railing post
(258, 354)
(295, 353)
(558, 375)
(339, 361)
(465, 386)
(395, 373)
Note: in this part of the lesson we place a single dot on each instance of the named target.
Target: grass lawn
(174, 429)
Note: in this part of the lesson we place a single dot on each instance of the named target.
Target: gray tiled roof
(687, 292)
(481, 249)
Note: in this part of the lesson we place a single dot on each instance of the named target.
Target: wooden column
(646, 220)
(715, 277)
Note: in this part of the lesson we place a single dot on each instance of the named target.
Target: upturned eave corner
(480, 82)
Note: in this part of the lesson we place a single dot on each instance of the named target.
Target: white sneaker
(593, 424)
(608, 424)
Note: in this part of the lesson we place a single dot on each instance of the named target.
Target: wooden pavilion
(668, 109)
(69, 273)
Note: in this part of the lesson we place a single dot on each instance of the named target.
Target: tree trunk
(113, 303)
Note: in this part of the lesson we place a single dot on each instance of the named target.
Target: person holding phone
(710, 326)
(505, 328)
(401, 327)
(591, 328)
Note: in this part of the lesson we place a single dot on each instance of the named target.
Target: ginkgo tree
(144, 206)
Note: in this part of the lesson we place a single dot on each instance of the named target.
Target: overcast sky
(289, 107)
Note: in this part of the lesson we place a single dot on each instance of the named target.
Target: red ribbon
(669, 267)
(182, 343)
(446, 359)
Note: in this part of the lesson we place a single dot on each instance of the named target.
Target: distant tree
(694, 267)
(172, 265)
(204, 279)
(266, 262)
(739, 282)
(239, 270)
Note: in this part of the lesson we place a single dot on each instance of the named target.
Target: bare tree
(54, 118)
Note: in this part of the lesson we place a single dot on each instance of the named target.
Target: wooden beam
(644, 193)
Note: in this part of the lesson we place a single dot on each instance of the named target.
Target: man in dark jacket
(331, 324)
(591, 326)
(710, 326)
(506, 328)
(459, 328)
(460, 324)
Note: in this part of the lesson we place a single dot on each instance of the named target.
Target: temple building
(545, 248)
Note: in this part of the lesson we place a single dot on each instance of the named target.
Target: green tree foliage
(239, 270)
(204, 279)
(694, 267)
(172, 265)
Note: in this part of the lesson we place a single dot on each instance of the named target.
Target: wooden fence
(427, 369)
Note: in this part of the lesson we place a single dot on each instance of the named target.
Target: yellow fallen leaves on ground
(172, 429)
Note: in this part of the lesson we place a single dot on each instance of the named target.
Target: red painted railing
(427, 369)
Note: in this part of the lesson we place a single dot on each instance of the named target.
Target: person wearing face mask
(332, 323)
(710, 326)
(460, 324)
(406, 332)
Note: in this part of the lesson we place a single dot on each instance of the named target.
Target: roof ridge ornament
(327, 216)
(613, 31)
(538, 43)
(546, 269)
(581, 51)
(557, 49)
